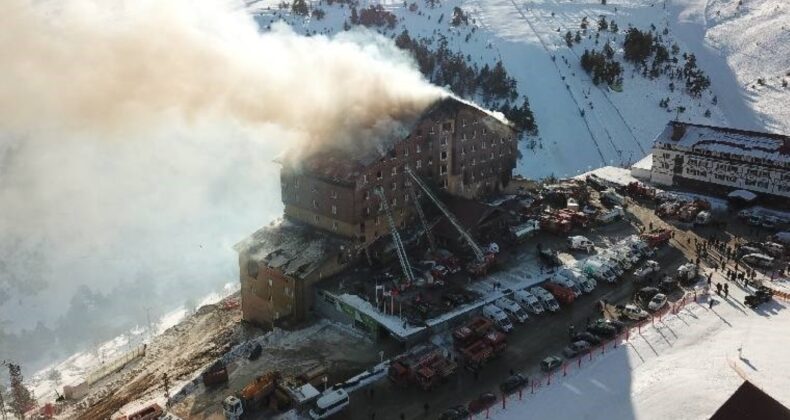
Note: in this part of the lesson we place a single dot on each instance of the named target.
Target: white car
(649, 268)
(528, 301)
(657, 302)
(633, 312)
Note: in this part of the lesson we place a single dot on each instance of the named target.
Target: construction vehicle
(253, 396)
(215, 374)
(657, 237)
(562, 293)
(424, 365)
(482, 261)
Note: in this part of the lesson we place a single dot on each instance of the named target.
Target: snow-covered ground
(684, 367)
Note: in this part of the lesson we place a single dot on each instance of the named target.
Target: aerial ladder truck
(482, 261)
(400, 250)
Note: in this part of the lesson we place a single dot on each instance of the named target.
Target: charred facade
(455, 146)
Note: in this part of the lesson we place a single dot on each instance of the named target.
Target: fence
(115, 365)
(534, 385)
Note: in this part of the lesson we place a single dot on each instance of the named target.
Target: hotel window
(316, 218)
(443, 155)
(367, 195)
(367, 211)
(394, 170)
(419, 164)
(443, 170)
(419, 149)
(334, 209)
(364, 178)
(334, 225)
(378, 175)
(444, 183)
(443, 141)
(394, 202)
(333, 194)
(463, 123)
(394, 186)
(406, 151)
(492, 155)
(483, 145)
(315, 204)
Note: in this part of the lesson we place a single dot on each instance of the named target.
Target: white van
(528, 301)
(580, 280)
(546, 298)
(332, 402)
(498, 316)
(513, 309)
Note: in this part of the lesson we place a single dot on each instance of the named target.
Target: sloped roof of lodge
(701, 138)
(344, 166)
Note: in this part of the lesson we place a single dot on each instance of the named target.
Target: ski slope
(684, 367)
(583, 126)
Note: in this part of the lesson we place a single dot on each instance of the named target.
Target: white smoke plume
(136, 140)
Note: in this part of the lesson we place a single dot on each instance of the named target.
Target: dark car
(513, 383)
(482, 402)
(645, 294)
(618, 325)
(586, 336)
(550, 363)
(602, 329)
(458, 412)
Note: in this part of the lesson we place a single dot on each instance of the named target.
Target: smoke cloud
(136, 147)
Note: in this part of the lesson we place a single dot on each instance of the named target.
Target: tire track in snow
(604, 93)
(573, 97)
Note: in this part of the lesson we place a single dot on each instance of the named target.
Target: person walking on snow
(718, 289)
(710, 303)
(726, 290)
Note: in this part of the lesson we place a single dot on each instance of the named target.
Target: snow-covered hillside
(583, 125)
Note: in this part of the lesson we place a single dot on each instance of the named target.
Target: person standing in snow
(710, 304)
(726, 290)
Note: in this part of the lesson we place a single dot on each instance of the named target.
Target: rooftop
(699, 137)
(291, 247)
(341, 166)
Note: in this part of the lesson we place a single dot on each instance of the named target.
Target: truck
(253, 396)
(216, 374)
(562, 293)
(424, 365)
(657, 237)
(528, 301)
(567, 283)
(477, 342)
(513, 309)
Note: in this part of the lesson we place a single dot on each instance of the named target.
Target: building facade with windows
(279, 264)
(720, 160)
(454, 146)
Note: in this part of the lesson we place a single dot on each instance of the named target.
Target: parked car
(634, 312)
(586, 336)
(498, 317)
(602, 330)
(644, 295)
(657, 302)
(550, 363)
(617, 325)
(458, 412)
(513, 383)
(575, 349)
(482, 402)
(649, 267)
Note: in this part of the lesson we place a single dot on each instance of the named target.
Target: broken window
(448, 126)
(443, 141)
(443, 155)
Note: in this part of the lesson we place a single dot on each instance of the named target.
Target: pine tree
(613, 27)
(22, 398)
(569, 39)
(300, 7)
(602, 24)
(578, 37)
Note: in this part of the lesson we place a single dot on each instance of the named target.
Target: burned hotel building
(333, 205)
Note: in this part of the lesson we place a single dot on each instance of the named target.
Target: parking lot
(528, 344)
